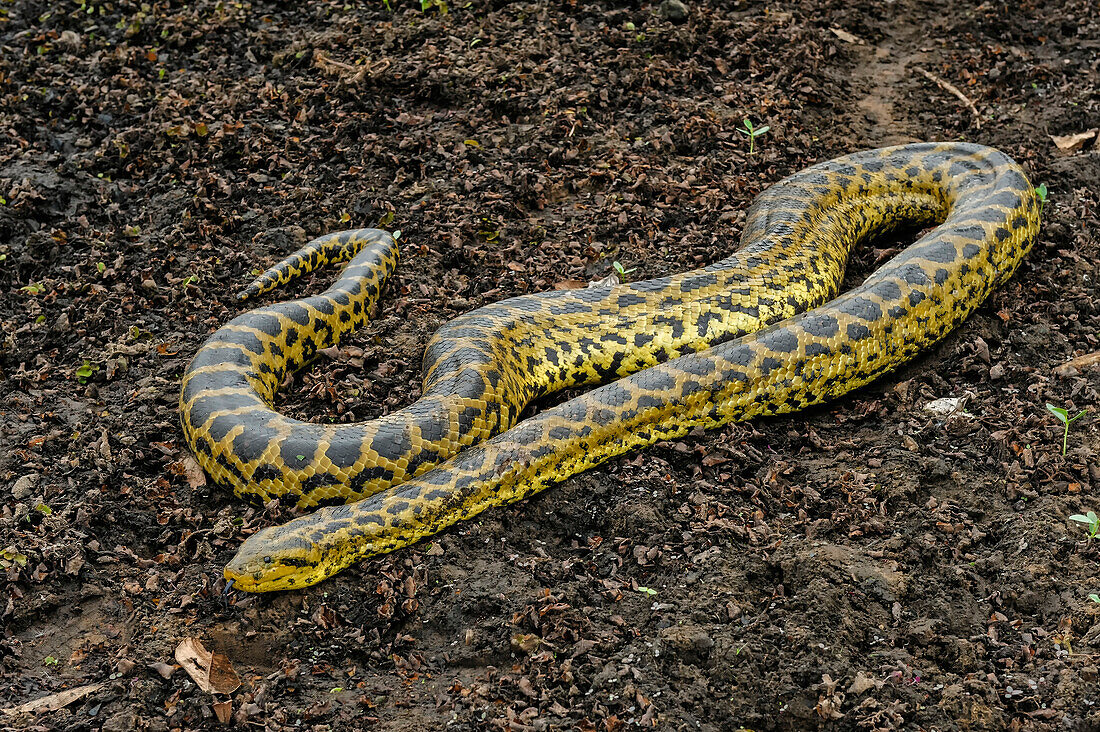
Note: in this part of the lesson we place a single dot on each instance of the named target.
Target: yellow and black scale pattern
(689, 348)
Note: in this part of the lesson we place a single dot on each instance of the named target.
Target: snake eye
(267, 560)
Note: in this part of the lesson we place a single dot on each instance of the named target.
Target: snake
(762, 332)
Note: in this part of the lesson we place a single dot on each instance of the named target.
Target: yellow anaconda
(689, 348)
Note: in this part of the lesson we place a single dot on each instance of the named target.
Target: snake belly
(796, 240)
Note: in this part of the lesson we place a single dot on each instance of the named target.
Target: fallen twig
(1073, 366)
(951, 88)
(346, 72)
(53, 702)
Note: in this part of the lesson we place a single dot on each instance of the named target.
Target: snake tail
(228, 389)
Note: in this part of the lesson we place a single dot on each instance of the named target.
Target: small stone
(673, 11)
(23, 487)
(996, 372)
(122, 722)
(149, 285)
(690, 640)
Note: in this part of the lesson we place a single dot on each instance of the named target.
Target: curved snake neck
(743, 337)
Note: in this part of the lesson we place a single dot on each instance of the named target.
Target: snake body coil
(721, 344)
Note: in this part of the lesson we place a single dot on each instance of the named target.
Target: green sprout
(85, 372)
(1095, 598)
(1090, 519)
(647, 590)
(622, 272)
(8, 557)
(1066, 420)
(50, 661)
(753, 132)
(1041, 192)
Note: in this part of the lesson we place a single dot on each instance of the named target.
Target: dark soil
(867, 565)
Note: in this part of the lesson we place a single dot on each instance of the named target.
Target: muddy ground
(866, 565)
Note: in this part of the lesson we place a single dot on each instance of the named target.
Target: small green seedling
(648, 590)
(50, 661)
(753, 132)
(440, 5)
(85, 372)
(1095, 598)
(1066, 420)
(1089, 519)
(1041, 192)
(8, 557)
(622, 272)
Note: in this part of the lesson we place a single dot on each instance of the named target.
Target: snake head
(276, 559)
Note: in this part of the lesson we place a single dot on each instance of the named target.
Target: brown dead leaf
(610, 281)
(223, 711)
(223, 677)
(570, 285)
(211, 672)
(1073, 143)
(53, 702)
(193, 472)
(163, 669)
(847, 37)
(195, 660)
(862, 683)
